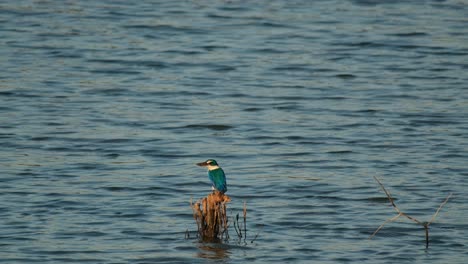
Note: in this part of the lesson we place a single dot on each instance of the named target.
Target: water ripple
(107, 106)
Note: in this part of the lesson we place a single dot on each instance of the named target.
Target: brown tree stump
(210, 215)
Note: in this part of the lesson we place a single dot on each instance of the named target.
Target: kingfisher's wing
(210, 176)
(218, 178)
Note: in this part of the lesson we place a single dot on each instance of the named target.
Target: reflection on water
(218, 251)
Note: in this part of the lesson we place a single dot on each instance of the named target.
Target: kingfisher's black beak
(202, 164)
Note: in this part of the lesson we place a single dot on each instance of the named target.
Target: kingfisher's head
(210, 164)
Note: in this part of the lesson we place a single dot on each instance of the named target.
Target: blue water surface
(106, 106)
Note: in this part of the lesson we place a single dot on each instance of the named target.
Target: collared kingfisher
(215, 174)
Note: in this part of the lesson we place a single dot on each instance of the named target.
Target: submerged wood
(210, 215)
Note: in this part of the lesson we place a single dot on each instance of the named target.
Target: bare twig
(386, 221)
(388, 194)
(390, 198)
(236, 224)
(255, 238)
(400, 213)
(438, 210)
(245, 221)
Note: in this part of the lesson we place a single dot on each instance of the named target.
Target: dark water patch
(89, 166)
(439, 69)
(409, 34)
(223, 68)
(167, 29)
(115, 140)
(267, 51)
(41, 138)
(311, 142)
(183, 52)
(423, 77)
(208, 65)
(264, 137)
(140, 233)
(399, 96)
(340, 152)
(55, 194)
(112, 155)
(18, 193)
(374, 2)
(345, 76)
(25, 259)
(370, 111)
(291, 224)
(268, 24)
(234, 8)
(108, 92)
(453, 156)
(252, 109)
(6, 108)
(23, 93)
(22, 11)
(294, 138)
(379, 199)
(166, 259)
(131, 63)
(362, 44)
(7, 135)
(153, 190)
(444, 53)
(377, 45)
(7, 93)
(441, 99)
(215, 127)
(55, 124)
(338, 58)
(258, 196)
(175, 155)
(45, 48)
(195, 93)
(65, 55)
(115, 71)
(62, 149)
(301, 68)
(272, 143)
(334, 98)
(355, 125)
(213, 47)
(217, 16)
(433, 122)
(287, 106)
(432, 115)
(128, 215)
(324, 70)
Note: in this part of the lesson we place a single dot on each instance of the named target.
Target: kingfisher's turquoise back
(218, 179)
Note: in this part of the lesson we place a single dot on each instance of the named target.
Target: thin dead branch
(400, 213)
(255, 238)
(245, 221)
(438, 210)
(386, 221)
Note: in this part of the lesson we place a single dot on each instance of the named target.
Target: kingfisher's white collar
(212, 167)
